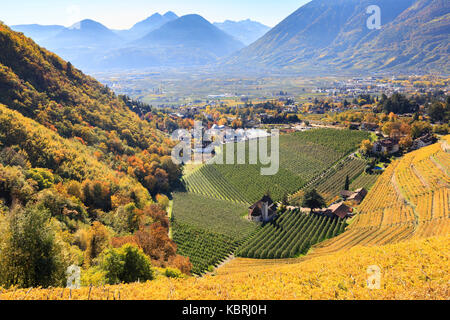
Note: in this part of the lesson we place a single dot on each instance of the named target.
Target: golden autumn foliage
(413, 266)
(69, 145)
(417, 269)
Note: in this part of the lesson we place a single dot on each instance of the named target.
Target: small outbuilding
(262, 211)
(358, 196)
(340, 210)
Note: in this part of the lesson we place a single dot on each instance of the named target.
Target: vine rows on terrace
(290, 235)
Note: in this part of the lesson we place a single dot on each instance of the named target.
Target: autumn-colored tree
(97, 240)
(223, 122)
(162, 200)
(97, 194)
(181, 263)
(420, 128)
(155, 242)
(406, 142)
(366, 146)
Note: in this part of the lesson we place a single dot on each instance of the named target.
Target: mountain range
(332, 36)
(160, 40)
(321, 37)
(187, 41)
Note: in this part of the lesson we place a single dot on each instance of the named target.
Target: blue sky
(122, 14)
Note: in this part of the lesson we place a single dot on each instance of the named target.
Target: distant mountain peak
(88, 24)
(157, 14)
(147, 25)
(193, 17)
(170, 15)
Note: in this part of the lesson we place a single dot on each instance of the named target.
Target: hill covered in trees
(80, 174)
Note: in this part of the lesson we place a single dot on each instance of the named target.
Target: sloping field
(290, 235)
(303, 156)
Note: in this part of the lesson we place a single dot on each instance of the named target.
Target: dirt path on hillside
(397, 189)
(228, 260)
(445, 146)
(404, 200)
(419, 176)
(169, 215)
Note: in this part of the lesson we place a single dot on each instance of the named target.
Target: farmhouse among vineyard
(263, 210)
(386, 146)
(358, 195)
(423, 141)
(346, 194)
(340, 210)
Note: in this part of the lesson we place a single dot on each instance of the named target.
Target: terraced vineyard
(291, 234)
(409, 200)
(333, 181)
(303, 156)
(208, 230)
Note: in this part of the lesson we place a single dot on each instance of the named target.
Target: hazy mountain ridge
(322, 36)
(38, 32)
(186, 41)
(246, 31)
(171, 41)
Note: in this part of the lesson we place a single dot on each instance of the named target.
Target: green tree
(126, 265)
(313, 200)
(31, 256)
(43, 177)
(347, 183)
(437, 112)
(420, 128)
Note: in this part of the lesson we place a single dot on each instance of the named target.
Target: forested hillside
(81, 176)
(41, 86)
(326, 36)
